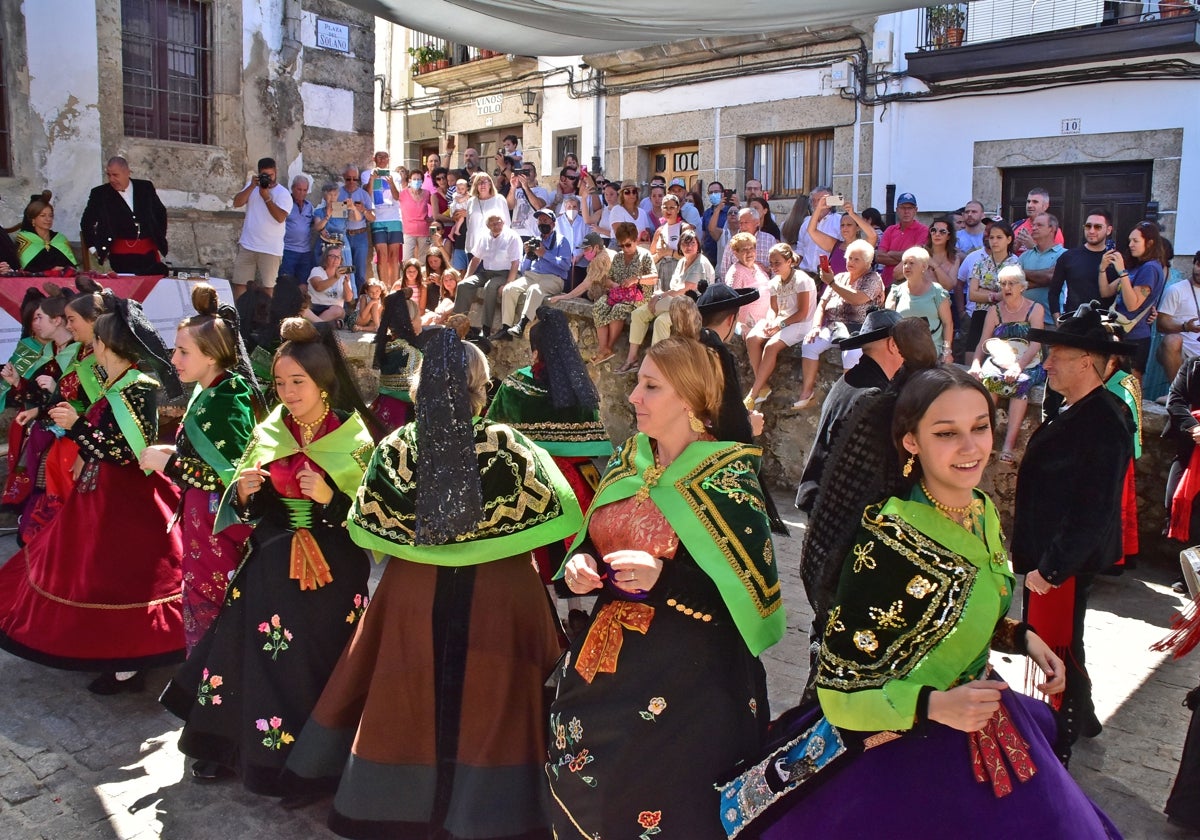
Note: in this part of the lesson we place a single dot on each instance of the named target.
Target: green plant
(425, 54)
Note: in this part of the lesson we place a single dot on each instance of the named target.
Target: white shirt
(523, 220)
(1179, 301)
(260, 232)
(335, 295)
(127, 194)
(810, 252)
(477, 216)
(620, 214)
(497, 253)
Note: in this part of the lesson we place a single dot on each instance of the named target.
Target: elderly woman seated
(1006, 362)
(917, 296)
(841, 308)
(328, 290)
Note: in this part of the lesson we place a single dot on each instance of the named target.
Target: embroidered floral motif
(753, 706)
(568, 736)
(277, 635)
(575, 728)
(207, 693)
(360, 607)
(919, 587)
(275, 737)
(206, 425)
(863, 558)
(653, 709)
(583, 759)
(649, 821)
(889, 617)
(865, 641)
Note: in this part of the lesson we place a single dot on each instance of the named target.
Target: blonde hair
(597, 272)
(685, 317)
(694, 371)
(743, 241)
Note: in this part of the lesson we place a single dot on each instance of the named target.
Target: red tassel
(1185, 631)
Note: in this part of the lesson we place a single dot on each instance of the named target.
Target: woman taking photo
(915, 699)
(1137, 288)
(599, 219)
(329, 289)
(39, 248)
(294, 601)
(210, 440)
(984, 286)
(459, 638)
(664, 246)
(1010, 373)
(917, 297)
(70, 600)
(841, 309)
(853, 228)
(688, 599)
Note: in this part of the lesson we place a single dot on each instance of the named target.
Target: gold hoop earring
(908, 466)
(694, 422)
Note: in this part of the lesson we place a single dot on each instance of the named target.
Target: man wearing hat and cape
(881, 359)
(1067, 520)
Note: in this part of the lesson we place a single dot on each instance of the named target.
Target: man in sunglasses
(360, 210)
(1078, 269)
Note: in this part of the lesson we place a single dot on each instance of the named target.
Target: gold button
(707, 617)
(671, 602)
(688, 611)
(680, 607)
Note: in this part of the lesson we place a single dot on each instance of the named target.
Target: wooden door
(680, 160)
(1121, 188)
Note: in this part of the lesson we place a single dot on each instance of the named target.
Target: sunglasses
(1093, 227)
(349, 178)
(630, 192)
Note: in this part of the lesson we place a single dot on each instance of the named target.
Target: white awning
(580, 27)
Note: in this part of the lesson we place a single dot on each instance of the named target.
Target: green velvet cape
(525, 405)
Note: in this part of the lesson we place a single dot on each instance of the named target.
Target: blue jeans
(297, 265)
(358, 249)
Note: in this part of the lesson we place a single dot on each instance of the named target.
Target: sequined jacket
(97, 433)
(920, 602)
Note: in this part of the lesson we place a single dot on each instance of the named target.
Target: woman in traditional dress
(80, 386)
(915, 733)
(39, 248)
(211, 438)
(35, 392)
(70, 599)
(554, 403)
(397, 359)
(441, 691)
(251, 682)
(678, 542)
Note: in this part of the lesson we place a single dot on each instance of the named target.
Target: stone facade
(273, 92)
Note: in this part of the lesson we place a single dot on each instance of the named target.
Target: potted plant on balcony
(437, 59)
(422, 58)
(946, 25)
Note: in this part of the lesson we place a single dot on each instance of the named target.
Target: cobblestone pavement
(75, 766)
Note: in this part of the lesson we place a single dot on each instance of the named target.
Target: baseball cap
(592, 240)
(677, 182)
(545, 211)
(906, 198)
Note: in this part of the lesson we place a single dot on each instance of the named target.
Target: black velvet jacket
(108, 217)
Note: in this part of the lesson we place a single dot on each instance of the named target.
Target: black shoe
(1180, 587)
(501, 334)
(209, 771)
(1091, 727)
(519, 329)
(107, 684)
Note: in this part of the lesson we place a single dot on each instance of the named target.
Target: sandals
(1007, 456)
(804, 402)
(599, 360)
(628, 367)
(762, 398)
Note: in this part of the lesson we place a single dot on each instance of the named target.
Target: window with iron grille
(5, 137)
(165, 50)
(790, 164)
(565, 143)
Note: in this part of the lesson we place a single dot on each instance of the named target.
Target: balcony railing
(979, 22)
(432, 53)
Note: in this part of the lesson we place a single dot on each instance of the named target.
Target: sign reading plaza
(333, 36)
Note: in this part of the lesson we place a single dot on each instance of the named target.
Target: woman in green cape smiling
(664, 693)
(212, 436)
(251, 682)
(440, 692)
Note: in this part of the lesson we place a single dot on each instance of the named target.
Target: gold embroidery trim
(84, 605)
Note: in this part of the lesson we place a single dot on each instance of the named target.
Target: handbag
(624, 294)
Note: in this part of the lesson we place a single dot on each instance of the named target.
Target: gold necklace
(308, 430)
(965, 516)
(112, 380)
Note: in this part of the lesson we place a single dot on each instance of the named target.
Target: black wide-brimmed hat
(721, 297)
(878, 324)
(1090, 328)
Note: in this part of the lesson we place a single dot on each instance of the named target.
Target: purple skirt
(922, 786)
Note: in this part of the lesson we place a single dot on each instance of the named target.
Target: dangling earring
(908, 466)
(325, 398)
(694, 422)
